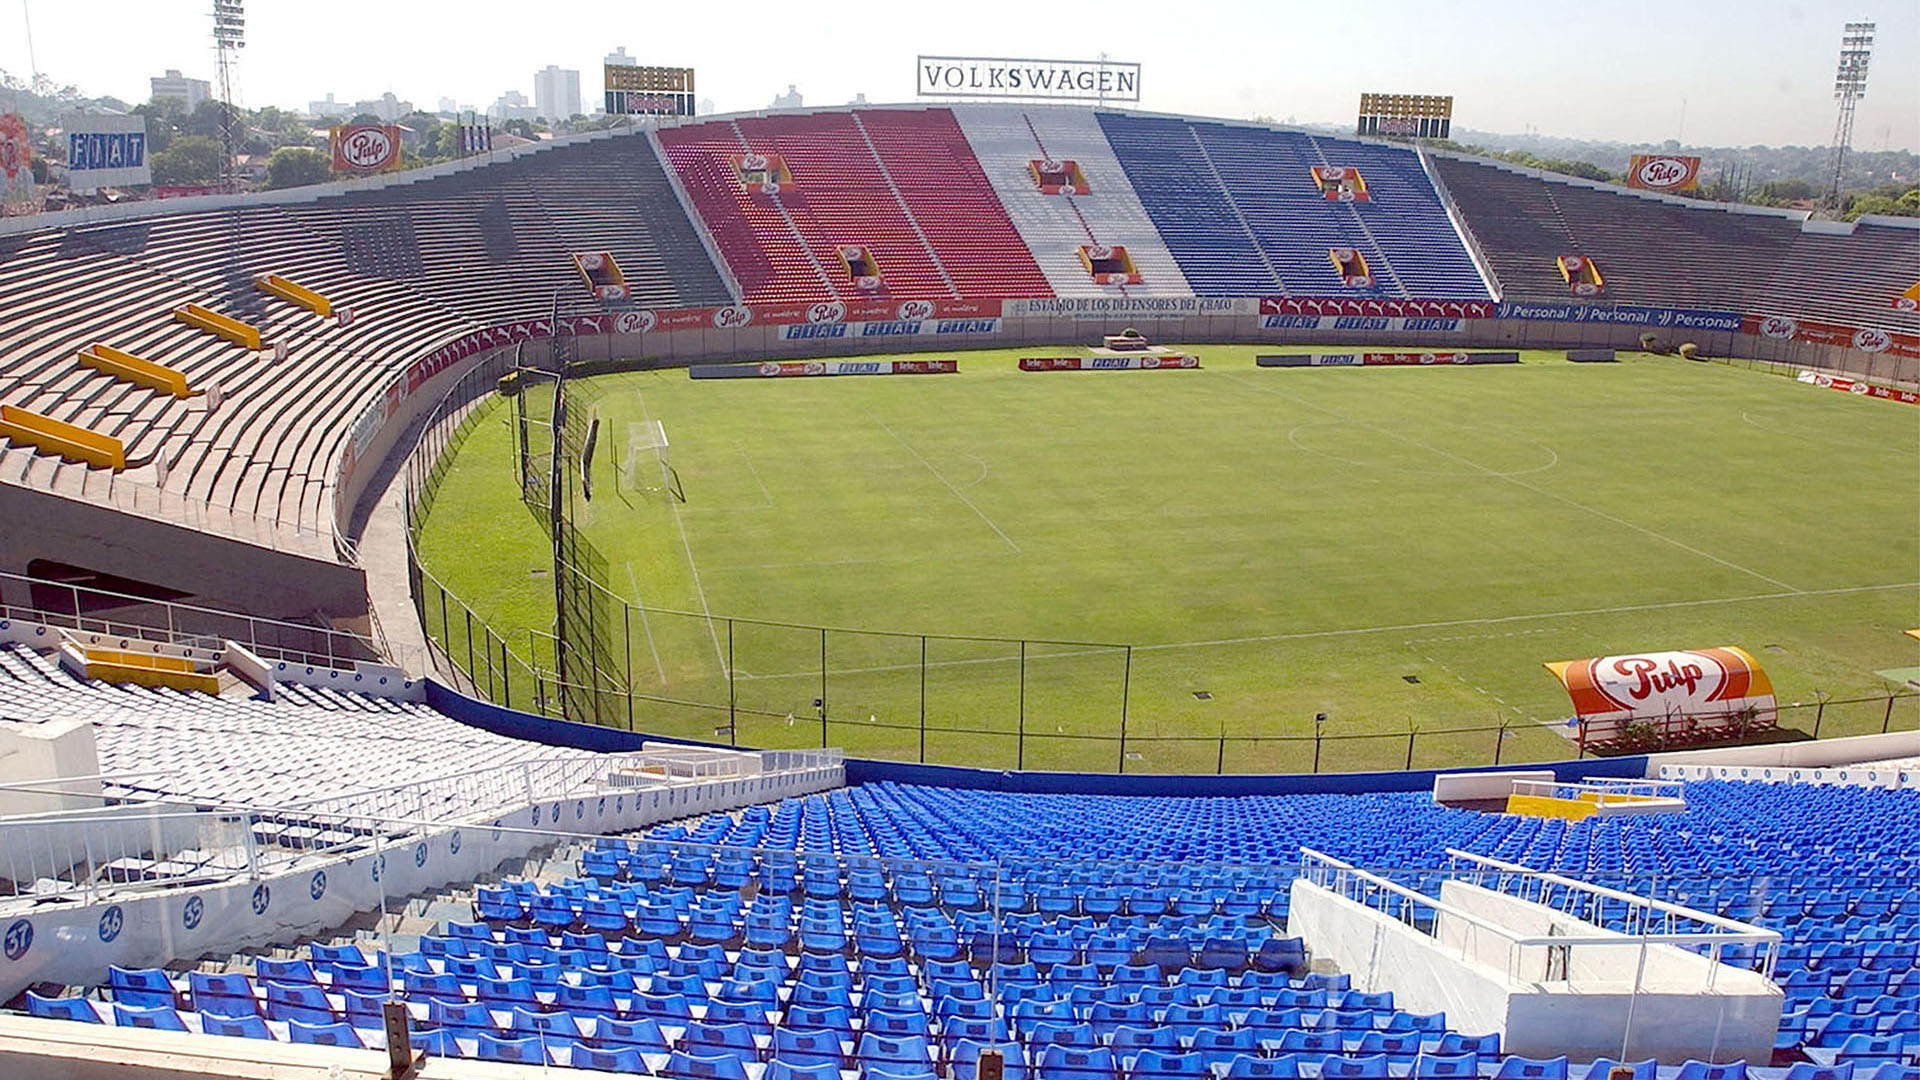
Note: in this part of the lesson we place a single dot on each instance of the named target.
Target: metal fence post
(1126, 690)
(923, 699)
(1411, 731)
(1220, 762)
(733, 699)
(469, 612)
(626, 636)
(823, 688)
(1020, 753)
(1819, 713)
(1499, 740)
(506, 675)
(1887, 720)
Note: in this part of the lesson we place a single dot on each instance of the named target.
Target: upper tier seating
(1239, 208)
(416, 263)
(1658, 252)
(1008, 138)
(902, 183)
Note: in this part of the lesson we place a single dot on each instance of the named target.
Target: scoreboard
(649, 91)
(1416, 116)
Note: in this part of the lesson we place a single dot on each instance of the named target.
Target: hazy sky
(1741, 71)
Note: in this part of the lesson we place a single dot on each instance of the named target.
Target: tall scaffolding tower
(1849, 86)
(229, 36)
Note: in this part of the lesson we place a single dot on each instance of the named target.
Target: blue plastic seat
(156, 1017)
(1701, 1070)
(249, 1026)
(1433, 1065)
(1520, 1068)
(1075, 1063)
(324, 1034)
(623, 1059)
(293, 1001)
(1805, 1070)
(1248, 1067)
(228, 994)
(525, 1050)
(1355, 1068)
(141, 987)
(965, 1056)
(61, 1008)
(1162, 1065)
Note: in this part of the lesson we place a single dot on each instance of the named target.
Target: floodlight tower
(1849, 86)
(229, 36)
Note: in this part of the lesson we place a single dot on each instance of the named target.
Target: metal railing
(1545, 959)
(1603, 792)
(165, 842)
(70, 606)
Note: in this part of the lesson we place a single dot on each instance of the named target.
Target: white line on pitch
(698, 589)
(956, 491)
(1515, 480)
(644, 624)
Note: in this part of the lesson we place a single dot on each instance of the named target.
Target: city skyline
(1711, 74)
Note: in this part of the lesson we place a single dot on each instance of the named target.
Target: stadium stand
(1131, 936)
(415, 264)
(902, 183)
(1008, 139)
(1848, 278)
(1652, 250)
(1240, 210)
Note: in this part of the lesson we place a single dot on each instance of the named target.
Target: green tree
(297, 166)
(189, 159)
(1786, 190)
(1884, 202)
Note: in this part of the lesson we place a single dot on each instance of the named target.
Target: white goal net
(647, 465)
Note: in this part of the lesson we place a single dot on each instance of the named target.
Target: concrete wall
(1812, 754)
(1462, 971)
(214, 570)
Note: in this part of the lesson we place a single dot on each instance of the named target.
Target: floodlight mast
(1849, 86)
(229, 35)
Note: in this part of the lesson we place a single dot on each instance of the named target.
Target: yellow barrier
(70, 441)
(143, 669)
(293, 292)
(1543, 807)
(215, 323)
(134, 369)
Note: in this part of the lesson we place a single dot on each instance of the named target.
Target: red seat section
(948, 192)
(902, 185)
(754, 236)
(841, 196)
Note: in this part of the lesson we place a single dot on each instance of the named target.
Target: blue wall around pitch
(576, 736)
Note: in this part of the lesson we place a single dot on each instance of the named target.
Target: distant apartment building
(556, 93)
(175, 85)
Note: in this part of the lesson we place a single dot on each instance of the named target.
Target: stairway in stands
(1006, 139)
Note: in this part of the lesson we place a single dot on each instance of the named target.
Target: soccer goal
(648, 467)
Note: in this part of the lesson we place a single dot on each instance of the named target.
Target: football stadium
(960, 590)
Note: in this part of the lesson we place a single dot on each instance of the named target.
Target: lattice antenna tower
(1849, 86)
(229, 36)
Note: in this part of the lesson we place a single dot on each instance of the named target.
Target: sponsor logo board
(1663, 172)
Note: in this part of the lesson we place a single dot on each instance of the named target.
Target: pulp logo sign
(732, 318)
(1664, 172)
(1778, 327)
(1872, 340)
(914, 309)
(635, 322)
(365, 147)
(827, 313)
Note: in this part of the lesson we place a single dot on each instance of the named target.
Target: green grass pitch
(1396, 548)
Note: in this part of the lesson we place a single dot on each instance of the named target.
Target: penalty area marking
(699, 589)
(645, 625)
(957, 493)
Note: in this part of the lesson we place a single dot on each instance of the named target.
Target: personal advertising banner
(1663, 172)
(1161, 362)
(364, 148)
(809, 368)
(106, 151)
(1711, 686)
(16, 161)
(1859, 388)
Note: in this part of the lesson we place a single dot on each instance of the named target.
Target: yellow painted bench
(293, 292)
(134, 369)
(213, 322)
(144, 669)
(70, 441)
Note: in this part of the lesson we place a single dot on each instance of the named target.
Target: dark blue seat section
(1239, 208)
